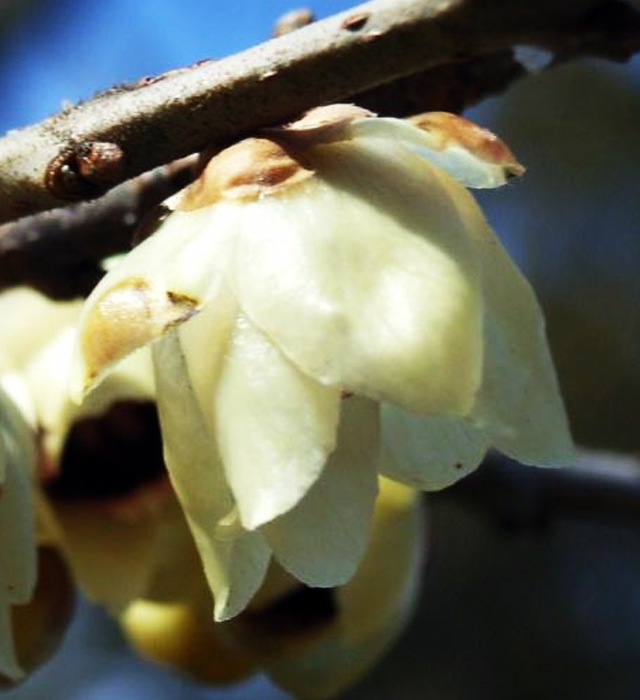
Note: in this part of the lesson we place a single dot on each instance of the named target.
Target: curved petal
(364, 276)
(17, 536)
(17, 517)
(158, 285)
(9, 665)
(235, 561)
(28, 321)
(430, 453)
(373, 608)
(384, 590)
(178, 575)
(275, 426)
(471, 154)
(322, 540)
(519, 406)
(110, 559)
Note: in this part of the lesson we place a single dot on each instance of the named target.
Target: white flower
(328, 259)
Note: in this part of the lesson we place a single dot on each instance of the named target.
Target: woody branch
(82, 152)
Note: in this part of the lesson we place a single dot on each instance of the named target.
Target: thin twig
(603, 486)
(58, 252)
(83, 151)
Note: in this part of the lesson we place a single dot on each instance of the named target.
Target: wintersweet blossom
(309, 275)
(107, 536)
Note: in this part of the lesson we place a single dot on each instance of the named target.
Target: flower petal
(204, 343)
(9, 665)
(158, 285)
(17, 542)
(17, 537)
(373, 608)
(235, 561)
(178, 575)
(384, 590)
(111, 560)
(275, 426)
(28, 320)
(519, 406)
(365, 277)
(430, 453)
(322, 540)
(471, 154)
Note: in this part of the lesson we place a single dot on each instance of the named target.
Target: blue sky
(69, 49)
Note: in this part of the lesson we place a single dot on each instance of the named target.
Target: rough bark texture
(83, 151)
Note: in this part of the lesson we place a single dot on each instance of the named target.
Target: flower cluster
(129, 548)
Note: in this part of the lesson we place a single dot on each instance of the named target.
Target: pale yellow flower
(337, 257)
(111, 557)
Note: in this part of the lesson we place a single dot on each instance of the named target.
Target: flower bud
(38, 626)
(181, 636)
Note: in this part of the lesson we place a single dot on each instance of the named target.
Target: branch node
(84, 170)
(355, 22)
(295, 19)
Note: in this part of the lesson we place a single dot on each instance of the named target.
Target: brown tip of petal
(127, 317)
(245, 170)
(450, 130)
(319, 125)
(328, 116)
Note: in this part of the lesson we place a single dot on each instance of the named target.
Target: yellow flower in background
(39, 338)
(306, 277)
(311, 642)
(108, 548)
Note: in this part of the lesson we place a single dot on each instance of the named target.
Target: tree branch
(603, 485)
(84, 151)
(58, 252)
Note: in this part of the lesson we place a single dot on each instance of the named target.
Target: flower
(309, 275)
(101, 512)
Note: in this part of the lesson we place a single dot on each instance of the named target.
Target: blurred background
(543, 613)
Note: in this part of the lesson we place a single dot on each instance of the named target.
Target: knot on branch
(84, 170)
